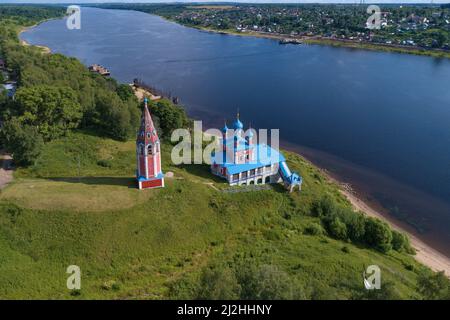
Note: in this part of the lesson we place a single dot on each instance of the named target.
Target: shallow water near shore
(376, 120)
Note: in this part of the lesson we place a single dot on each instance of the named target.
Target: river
(378, 120)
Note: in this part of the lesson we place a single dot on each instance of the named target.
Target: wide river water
(380, 121)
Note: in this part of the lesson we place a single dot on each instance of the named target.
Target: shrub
(24, 142)
(388, 291)
(184, 288)
(336, 228)
(218, 283)
(170, 116)
(378, 235)
(355, 223)
(104, 163)
(313, 229)
(267, 282)
(323, 207)
(75, 293)
(400, 242)
(434, 286)
(409, 267)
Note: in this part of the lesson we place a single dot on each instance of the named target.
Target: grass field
(78, 205)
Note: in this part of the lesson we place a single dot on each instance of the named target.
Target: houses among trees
(425, 26)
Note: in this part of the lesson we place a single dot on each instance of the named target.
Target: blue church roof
(265, 155)
(237, 124)
(225, 128)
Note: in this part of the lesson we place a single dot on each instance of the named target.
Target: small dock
(99, 69)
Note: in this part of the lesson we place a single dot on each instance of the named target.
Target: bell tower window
(150, 149)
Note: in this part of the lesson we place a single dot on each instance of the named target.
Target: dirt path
(6, 172)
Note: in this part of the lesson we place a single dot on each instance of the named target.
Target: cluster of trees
(168, 117)
(247, 280)
(432, 30)
(244, 281)
(57, 94)
(434, 286)
(344, 224)
(29, 14)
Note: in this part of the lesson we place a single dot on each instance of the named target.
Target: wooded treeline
(56, 93)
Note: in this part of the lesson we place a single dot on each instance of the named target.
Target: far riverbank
(331, 42)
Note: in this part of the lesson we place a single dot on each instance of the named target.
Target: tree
(114, 117)
(387, 291)
(400, 242)
(125, 92)
(52, 110)
(378, 235)
(170, 116)
(336, 228)
(24, 142)
(323, 207)
(434, 286)
(356, 225)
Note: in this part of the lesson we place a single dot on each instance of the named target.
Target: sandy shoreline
(425, 254)
(25, 43)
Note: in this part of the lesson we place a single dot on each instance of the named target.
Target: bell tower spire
(148, 153)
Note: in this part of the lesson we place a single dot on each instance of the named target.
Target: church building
(243, 162)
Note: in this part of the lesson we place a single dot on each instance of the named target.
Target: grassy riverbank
(72, 208)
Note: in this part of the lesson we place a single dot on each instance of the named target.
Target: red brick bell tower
(148, 153)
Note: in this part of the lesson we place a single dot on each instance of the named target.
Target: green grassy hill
(78, 205)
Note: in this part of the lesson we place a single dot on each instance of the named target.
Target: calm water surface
(379, 120)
